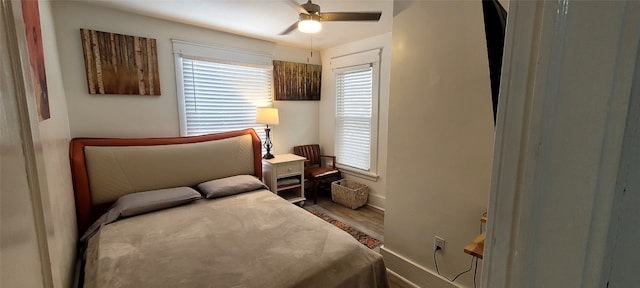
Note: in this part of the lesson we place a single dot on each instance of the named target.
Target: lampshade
(309, 23)
(267, 115)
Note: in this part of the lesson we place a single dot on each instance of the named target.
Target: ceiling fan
(310, 17)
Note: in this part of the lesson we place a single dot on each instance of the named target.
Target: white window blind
(222, 97)
(354, 104)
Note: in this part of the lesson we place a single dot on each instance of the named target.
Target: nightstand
(284, 175)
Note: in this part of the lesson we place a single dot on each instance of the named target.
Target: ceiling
(264, 19)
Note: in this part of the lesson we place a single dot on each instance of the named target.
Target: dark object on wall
(495, 20)
(296, 81)
(120, 64)
(31, 16)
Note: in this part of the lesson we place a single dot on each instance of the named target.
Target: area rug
(362, 237)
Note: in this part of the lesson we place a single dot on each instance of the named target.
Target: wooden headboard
(104, 169)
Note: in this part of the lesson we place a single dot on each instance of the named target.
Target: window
(357, 111)
(218, 95)
(353, 117)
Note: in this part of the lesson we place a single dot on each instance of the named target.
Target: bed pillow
(230, 186)
(149, 201)
(143, 202)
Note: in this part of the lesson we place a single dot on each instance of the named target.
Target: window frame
(352, 62)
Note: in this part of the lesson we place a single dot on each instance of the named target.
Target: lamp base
(268, 156)
(268, 145)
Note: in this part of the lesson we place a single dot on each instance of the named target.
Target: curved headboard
(104, 169)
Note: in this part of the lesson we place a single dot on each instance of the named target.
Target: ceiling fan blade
(350, 16)
(291, 28)
(297, 6)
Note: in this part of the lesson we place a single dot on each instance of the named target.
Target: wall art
(296, 81)
(120, 64)
(31, 16)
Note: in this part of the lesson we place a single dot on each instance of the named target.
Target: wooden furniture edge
(476, 247)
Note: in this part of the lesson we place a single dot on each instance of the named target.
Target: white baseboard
(376, 201)
(412, 273)
(405, 283)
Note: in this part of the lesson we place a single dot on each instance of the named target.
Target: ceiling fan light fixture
(309, 26)
(310, 17)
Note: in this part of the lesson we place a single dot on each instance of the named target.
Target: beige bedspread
(254, 239)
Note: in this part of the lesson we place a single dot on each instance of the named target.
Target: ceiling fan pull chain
(311, 40)
(311, 37)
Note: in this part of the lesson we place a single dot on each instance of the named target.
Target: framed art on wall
(31, 16)
(120, 64)
(296, 81)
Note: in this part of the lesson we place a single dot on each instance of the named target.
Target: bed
(232, 232)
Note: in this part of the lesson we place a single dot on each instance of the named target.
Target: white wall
(36, 187)
(440, 138)
(625, 231)
(327, 110)
(20, 261)
(155, 116)
(54, 136)
(298, 119)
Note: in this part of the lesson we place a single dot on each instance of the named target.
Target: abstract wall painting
(296, 81)
(31, 16)
(120, 64)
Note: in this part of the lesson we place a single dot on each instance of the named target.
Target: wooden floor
(366, 219)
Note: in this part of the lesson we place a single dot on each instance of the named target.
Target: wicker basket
(349, 193)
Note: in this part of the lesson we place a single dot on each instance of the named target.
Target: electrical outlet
(438, 242)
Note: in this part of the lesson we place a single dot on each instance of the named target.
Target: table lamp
(269, 116)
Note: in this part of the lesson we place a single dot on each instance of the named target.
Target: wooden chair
(314, 170)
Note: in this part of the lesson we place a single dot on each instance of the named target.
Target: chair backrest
(311, 152)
